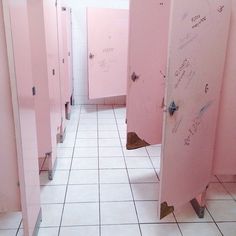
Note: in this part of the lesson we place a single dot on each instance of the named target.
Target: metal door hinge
(63, 8)
(63, 60)
(69, 54)
(173, 108)
(91, 56)
(53, 71)
(34, 91)
(134, 76)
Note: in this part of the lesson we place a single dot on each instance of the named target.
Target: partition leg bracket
(199, 204)
(68, 110)
(134, 141)
(38, 222)
(200, 210)
(61, 136)
(52, 172)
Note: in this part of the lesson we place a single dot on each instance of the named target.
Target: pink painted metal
(225, 149)
(19, 54)
(107, 52)
(50, 21)
(62, 67)
(40, 76)
(66, 26)
(197, 48)
(9, 190)
(69, 51)
(148, 39)
(65, 50)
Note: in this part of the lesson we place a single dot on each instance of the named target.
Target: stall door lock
(91, 56)
(173, 108)
(34, 91)
(134, 76)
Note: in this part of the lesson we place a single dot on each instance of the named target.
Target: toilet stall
(184, 46)
(52, 76)
(19, 182)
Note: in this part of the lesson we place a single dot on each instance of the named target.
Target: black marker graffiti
(185, 71)
(198, 20)
(176, 126)
(220, 9)
(108, 50)
(206, 88)
(196, 123)
(192, 131)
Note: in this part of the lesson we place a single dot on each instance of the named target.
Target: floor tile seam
(136, 210)
(63, 208)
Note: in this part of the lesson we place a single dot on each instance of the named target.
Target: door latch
(91, 56)
(173, 108)
(134, 76)
(34, 91)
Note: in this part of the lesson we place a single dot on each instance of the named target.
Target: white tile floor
(101, 189)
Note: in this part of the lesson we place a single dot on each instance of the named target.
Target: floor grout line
(206, 209)
(63, 208)
(99, 187)
(140, 230)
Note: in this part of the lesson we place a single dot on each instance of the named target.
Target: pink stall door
(9, 190)
(51, 33)
(40, 75)
(225, 150)
(197, 48)
(62, 67)
(19, 53)
(66, 57)
(107, 52)
(148, 40)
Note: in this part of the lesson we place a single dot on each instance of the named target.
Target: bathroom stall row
(36, 89)
(181, 95)
(180, 89)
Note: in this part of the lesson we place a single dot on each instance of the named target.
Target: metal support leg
(199, 204)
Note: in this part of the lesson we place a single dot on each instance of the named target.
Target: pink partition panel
(40, 76)
(62, 66)
(19, 52)
(197, 48)
(107, 52)
(148, 40)
(225, 150)
(9, 190)
(66, 28)
(69, 51)
(50, 20)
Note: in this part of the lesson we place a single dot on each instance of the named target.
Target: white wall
(79, 33)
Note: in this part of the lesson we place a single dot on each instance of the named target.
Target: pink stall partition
(69, 52)
(61, 61)
(65, 46)
(50, 21)
(40, 75)
(148, 40)
(107, 52)
(19, 54)
(225, 149)
(9, 189)
(197, 48)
